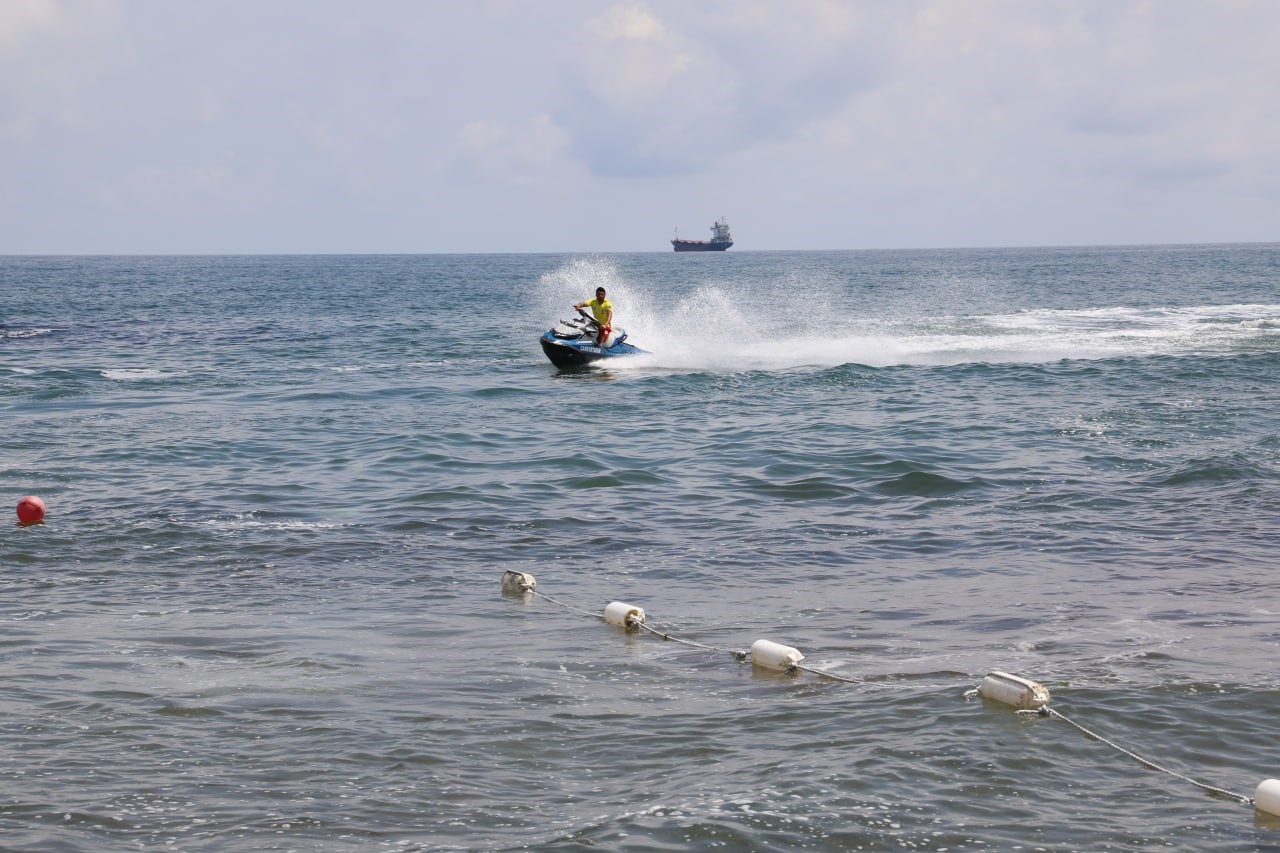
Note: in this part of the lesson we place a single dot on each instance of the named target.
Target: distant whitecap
(138, 374)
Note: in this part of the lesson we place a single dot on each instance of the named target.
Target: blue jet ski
(572, 343)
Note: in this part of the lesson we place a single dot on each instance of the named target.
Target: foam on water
(243, 522)
(17, 334)
(140, 374)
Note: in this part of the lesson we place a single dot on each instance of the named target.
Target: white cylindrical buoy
(774, 655)
(623, 615)
(1014, 690)
(518, 582)
(1267, 797)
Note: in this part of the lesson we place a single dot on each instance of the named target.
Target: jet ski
(572, 343)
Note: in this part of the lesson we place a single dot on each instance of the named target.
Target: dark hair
(600, 290)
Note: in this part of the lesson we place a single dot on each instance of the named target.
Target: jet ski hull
(572, 352)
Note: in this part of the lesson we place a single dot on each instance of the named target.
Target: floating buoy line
(1029, 697)
(763, 653)
(1022, 694)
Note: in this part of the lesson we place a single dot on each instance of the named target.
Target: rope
(1050, 712)
(830, 675)
(566, 606)
(665, 636)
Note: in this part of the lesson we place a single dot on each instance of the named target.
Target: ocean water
(265, 611)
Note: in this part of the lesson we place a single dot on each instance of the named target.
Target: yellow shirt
(601, 310)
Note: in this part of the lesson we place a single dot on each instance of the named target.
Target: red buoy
(30, 510)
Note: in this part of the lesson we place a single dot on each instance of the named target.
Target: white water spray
(801, 326)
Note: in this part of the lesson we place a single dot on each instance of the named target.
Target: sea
(265, 610)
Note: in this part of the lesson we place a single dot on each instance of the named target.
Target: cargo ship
(720, 240)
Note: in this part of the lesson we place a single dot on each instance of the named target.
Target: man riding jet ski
(588, 337)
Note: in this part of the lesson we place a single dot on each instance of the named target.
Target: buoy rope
(566, 606)
(665, 636)
(830, 675)
(1051, 712)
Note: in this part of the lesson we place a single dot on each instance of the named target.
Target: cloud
(664, 92)
(52, 55)
(512, 152)
(419, 124)
(1056, 90)
(21, 21)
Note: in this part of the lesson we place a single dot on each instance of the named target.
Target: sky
(426, 126)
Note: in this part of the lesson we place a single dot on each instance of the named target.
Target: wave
(18, 334)
(138, 374)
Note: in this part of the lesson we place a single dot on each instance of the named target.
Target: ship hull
(700, 245)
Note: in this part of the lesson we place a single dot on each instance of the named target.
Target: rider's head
(599, 293)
